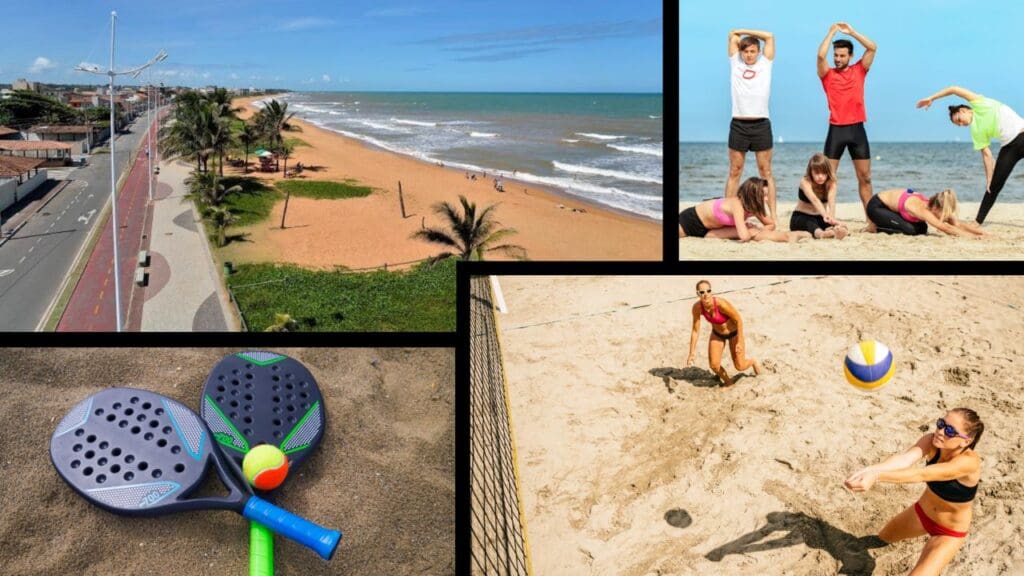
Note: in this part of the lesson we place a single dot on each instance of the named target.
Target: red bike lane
(91, 307)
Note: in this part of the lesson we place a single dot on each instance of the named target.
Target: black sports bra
(950, 490)
(800, 194)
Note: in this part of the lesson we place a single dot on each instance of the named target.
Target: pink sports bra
(903, 200)
(723, 217)
(716, 316)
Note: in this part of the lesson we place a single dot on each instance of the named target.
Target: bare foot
(727, 383)
(757, 368)
(870, 228)
(841, 232)
(819, 233)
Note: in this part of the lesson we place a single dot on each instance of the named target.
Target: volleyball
(869, 365)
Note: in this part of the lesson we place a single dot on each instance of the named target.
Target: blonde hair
(946, 202)
(819, 163)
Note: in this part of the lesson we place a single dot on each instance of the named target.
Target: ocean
(605, 148)
(926, 166)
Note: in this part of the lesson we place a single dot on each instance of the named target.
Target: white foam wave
(569, 140)
(483, 134)
(413, 122)
(596, 136)
(653, 117)
(617, 174)
(380, 126)
(648, 149)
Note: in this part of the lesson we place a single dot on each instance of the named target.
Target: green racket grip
(261, 550)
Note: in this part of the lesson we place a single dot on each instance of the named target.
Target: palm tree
(469, 235)
(221, 218)
(283, 323)
(285, 149)
(273, 120)
(205, 187)
(249, 135)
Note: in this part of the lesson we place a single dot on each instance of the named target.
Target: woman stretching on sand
(989, 120)
(952, 473)
(903, 211)
(726, 326)
(815, 210)
(726, 217)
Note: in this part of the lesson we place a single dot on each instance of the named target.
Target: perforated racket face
(256, 397)
(131, 451)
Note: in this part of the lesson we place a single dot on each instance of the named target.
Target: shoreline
(1005, 228)
(551, 224)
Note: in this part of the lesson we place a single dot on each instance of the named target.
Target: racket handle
(283, 522)
(261, 550)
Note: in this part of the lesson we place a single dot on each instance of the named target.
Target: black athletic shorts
(852, 136)
(750, 135)
(691, 223)
(891, 222)
(800, 221)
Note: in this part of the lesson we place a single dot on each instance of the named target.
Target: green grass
(421, 299)
(255, 201)
(323, 190)
(297, 142)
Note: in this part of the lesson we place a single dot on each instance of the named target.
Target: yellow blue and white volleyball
(869, 365)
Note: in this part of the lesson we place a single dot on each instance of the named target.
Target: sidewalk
(185, 292)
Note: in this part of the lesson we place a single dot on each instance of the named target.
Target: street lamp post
(134, 73)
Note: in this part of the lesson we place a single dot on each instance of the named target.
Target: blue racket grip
(283, 522)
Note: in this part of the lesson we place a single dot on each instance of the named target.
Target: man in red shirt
(844, 88)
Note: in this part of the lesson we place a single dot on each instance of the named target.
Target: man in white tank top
(751, 129)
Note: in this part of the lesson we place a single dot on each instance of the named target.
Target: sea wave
(569, 140)
(380, 126)
(413, 122)
(483, 134)
(596, 136)
(652, 117)
(618, 174)
(648, 149)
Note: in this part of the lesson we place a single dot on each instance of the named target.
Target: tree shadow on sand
(698, 377)
(849, 550)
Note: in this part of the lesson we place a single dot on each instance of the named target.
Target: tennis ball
(265, 467)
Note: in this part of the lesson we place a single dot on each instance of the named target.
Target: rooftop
(58, 130)
(4, 131)
(34, 145)
(12, 167)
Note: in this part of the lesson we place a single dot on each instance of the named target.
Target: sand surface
(1005, 224)
(370, 231)
(383, 473)
(633, 464)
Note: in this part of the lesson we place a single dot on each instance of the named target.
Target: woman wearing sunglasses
(726, 326)
(951, 473)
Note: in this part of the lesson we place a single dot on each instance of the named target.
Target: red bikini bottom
(933, 528)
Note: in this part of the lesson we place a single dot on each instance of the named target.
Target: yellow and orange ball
(265, 467)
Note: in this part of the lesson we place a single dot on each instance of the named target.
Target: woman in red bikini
(727, 217)
(726, 326)
(952, 473)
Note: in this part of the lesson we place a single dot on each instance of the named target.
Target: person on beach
(750, 128)
(727, 217)
(815, 210)
(844, 89)
(903, 211)
(951, 473)
(989, 120)
(726, 326)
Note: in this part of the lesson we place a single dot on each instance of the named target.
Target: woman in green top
(988, 119)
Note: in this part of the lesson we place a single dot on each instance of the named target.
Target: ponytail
(946, 202)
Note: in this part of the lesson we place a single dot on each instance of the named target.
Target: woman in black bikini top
(952, 474)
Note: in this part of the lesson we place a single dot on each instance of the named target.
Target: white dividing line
(22, 259)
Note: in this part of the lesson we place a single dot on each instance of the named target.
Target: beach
(370, 231)
(1005, 226)
(632, 464)
(383, 473)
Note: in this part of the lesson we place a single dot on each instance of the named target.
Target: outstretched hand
(925, 103)
(861, 481)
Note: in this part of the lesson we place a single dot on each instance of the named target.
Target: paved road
(34, 262)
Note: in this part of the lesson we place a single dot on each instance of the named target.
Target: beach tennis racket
(254, 398)
(138, 453)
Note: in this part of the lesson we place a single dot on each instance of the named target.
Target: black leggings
(891, 222)
(1008, 157)
(810, 222)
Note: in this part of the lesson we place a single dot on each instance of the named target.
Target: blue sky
(923, 46)
(526, 45)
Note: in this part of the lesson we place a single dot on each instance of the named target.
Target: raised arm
(767, 37)
(694, 334)
(823, 51)
(948, 91)
(870, 48)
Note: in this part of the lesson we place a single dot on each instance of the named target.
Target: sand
(366, 232)
(1005, 224)
(383, 474)
(633, 464)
